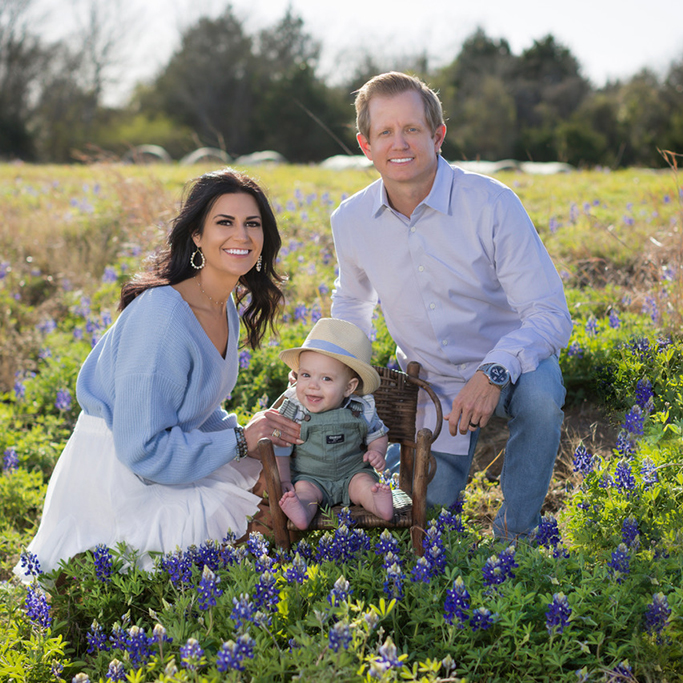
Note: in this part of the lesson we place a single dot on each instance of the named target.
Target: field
(595, 595)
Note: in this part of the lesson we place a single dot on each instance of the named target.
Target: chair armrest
(274, 488)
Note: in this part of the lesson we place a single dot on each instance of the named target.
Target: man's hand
(473, 406)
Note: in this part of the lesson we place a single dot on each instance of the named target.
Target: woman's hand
(271, 425)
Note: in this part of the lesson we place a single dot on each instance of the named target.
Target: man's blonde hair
(389, 85)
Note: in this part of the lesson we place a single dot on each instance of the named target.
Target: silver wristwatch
(496, 374)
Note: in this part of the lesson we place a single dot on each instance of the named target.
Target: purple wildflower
(116, 671)
(624, 481)
(192, 655)
(634, 421)
(393, 583)
(232, 654)
(630, 535)
(644, 394)
(457, 603)
(340, 592)
(620, 562)
(30, 564)
(547, 533)
(592, 327)
(245, 359)
(449, 520)
(657, 614)
(614, 321)
(387, 660)
(421, 571)
(575, 349)
(10, 460)
(482, 619)
(242, 612)
(37, 606)
(109, 275)
(137, 646)
(625, 446)
(208, 589)
(266, 594)
(103, 563)
(63, 401)
(340, 636)
(434, 549)
(495, 571)
(386, 543)
(558, 613)
(96, 638)
(648, 472)
(298, 571)
(583, 460)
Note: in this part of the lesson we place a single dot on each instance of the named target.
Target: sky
(610, 39)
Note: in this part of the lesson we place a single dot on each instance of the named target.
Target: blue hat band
(322, 345)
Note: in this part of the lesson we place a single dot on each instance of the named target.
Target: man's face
(401, 144)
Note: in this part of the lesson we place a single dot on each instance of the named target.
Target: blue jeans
(533, 408)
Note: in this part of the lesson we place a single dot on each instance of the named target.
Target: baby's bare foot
(383, 501)
(294, 509)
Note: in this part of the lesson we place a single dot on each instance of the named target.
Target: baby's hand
(287, 486)
(376, 459)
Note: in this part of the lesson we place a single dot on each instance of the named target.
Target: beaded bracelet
(242, 448)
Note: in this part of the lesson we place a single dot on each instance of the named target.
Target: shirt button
(432, 306)
(412, 229)
(420, 268)
(444, 342)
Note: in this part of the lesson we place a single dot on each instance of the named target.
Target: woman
(154, 461)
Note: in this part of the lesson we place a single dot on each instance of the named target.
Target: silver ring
(277, 433)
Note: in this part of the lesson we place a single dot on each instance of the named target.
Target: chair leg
(274, 488)
(420, 480)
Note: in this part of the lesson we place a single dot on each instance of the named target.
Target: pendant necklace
(208, 296)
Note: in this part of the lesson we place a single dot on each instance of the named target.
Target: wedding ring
(277, 433)
(474, 425)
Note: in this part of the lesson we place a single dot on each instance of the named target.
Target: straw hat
(341, 340)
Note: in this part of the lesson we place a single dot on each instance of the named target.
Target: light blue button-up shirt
(465, 280)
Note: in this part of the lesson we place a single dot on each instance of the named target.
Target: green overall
(332, 453)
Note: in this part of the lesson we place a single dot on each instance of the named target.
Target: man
(466, 288)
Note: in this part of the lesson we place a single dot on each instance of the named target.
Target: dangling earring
(259, 263)
(203, 261)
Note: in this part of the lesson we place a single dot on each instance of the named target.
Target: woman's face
(232, 235)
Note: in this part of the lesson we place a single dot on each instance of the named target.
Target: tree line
(245, 91)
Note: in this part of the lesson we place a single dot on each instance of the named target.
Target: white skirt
(92, 499)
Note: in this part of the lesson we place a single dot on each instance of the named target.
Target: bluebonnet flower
(387, 659)
(47, 326)
(648, 472)
(305, 549)
(323, 289)
(229, 554)
(482, 619)
(37, 606)
(592, 327)
(118, 637)
(422, 571)
(554, 224)
(103, 563)
(434, 549)
(207, 554)
(583, 460)
(298, 570)
(96, 638)
(81, 678)
(393, 583)
(340, 636)
(558, 613)
(116, 671)
(573, 212)
(622, 671)
(625, 446)
(192, 655)
(137, 646)
(547, 533)
(386, 543)
(657, 614)
(650, 306)
(109, 275)
(44, 353)
(640, 347)
(78, 333)
(634, 421)
(339, 592)
(4, 269)
(449, 520)
(232, 654)
(245, 359)
(30, 564)
(63, 401)
(606, 481)
(457, 603)
(629, 532)
(644, 394)
(496, 571)
(178, 566)
(620, 562)
(19, 388)
(301, 313)
(575, 349)
(614, 321)
(10, 460)
(242, 611)
(266, 594)
(56, 669)
(208, 589)
(624, 481)
(159, 635)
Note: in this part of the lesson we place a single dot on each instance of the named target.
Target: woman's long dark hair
(259, 290)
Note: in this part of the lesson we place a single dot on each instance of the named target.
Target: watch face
(498, 374)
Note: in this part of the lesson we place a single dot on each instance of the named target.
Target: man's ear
(364, 145)
(439, 137)
(351, 387)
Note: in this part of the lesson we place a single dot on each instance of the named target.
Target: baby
(344, 439)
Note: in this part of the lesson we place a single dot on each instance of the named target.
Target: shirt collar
(439, 197)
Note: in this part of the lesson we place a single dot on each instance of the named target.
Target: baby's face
(323, 382)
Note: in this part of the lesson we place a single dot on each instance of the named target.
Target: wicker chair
(396, 401)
